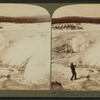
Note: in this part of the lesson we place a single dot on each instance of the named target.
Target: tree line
(24, 19)
(75, 19)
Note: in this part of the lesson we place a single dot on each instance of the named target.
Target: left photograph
(24, 47)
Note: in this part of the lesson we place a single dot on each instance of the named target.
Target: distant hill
(24, 19)
(75, 19)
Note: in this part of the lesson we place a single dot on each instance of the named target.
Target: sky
(83, 10)
(17, 10)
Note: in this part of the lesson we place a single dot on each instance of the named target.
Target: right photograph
(76, 48)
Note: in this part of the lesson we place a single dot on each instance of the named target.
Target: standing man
(72, 66)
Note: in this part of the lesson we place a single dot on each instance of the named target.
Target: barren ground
(88, 72)
(17, 52)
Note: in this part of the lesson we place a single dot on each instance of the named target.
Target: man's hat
(71, 63)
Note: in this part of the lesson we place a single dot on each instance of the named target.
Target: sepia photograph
(76, 47)
(24, 47)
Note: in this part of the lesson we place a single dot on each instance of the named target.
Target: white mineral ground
(25, 56)
(88, 74)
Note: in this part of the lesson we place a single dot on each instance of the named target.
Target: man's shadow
(88, 76)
